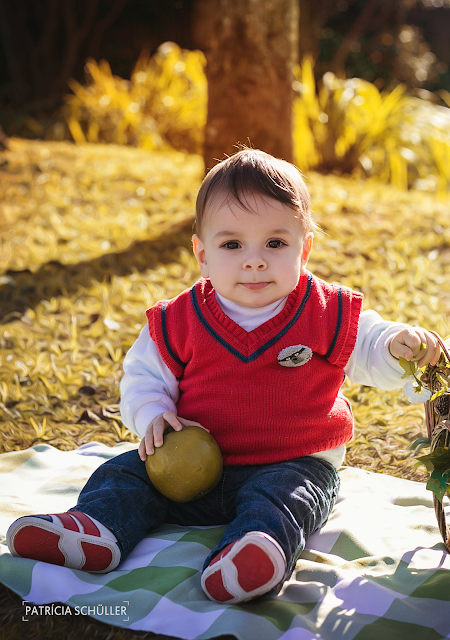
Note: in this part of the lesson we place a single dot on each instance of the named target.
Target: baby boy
(255, 352)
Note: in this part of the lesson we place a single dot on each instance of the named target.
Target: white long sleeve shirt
(148, 387)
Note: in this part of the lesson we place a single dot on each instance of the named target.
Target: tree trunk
(250, 47)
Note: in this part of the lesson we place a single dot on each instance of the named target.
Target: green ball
(187, 466)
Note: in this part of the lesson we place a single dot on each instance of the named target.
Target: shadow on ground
(22, 290)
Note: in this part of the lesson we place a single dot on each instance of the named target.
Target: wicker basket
(437, 417)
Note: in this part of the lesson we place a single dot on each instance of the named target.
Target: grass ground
(91, 236)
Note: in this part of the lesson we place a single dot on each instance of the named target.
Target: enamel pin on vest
(294, 356)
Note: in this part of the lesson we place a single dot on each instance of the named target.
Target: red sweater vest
(232, 381)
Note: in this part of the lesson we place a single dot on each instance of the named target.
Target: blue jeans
(287, 500)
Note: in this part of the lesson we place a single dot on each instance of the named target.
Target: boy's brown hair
(254, 171)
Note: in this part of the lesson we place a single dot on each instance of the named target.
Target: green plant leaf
(439, 459)
(438, 483)
(409, 367)
(418, 444)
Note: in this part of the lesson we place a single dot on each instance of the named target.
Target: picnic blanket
(377, 569)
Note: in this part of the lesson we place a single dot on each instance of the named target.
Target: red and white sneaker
(69, 539)
(246, 569)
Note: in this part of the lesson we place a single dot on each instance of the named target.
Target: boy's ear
(199, 251)
(307, 246)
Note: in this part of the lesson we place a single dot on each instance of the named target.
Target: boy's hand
(408, 344)
(154, 434)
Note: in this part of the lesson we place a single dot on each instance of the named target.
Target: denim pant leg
(120, 495)
(288, 500)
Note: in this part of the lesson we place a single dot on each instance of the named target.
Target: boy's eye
(232, 244)
(275, 244)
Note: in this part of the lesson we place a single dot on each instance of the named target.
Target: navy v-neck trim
(253, 356)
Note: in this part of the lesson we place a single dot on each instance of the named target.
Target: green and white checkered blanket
(378, 569)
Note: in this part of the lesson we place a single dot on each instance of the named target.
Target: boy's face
(252, 257)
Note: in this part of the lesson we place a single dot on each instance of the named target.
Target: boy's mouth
(255, 285)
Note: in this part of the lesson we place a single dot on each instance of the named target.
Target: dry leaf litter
(92, 235)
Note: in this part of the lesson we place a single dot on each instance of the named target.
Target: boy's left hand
(408, 342)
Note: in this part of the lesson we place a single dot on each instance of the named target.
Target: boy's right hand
(154, 434)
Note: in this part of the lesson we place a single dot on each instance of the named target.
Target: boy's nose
(254, 263)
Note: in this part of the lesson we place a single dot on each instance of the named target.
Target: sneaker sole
(250, 569)
(38, 539)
